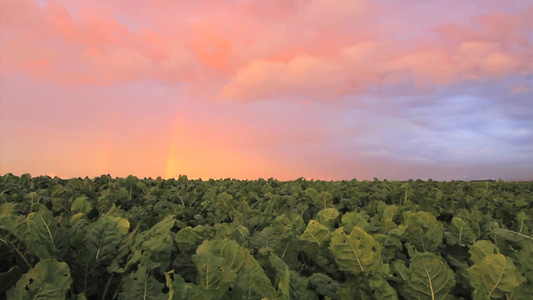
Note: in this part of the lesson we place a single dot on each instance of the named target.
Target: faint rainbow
(170, 168)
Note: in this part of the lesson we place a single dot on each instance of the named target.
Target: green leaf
(352, 289)
(357, 252)
(266, 238)
(324, 285)
(493, 276)
(81, 297)
(316, 233)
(252, 280)
(480, 250)
(400, 269)
(382, 289)
(13, 233)
(300, 287)
(423, 231)
(318, 238)
(512, 236)
(352, 219)
(123, 252)
(229, 259)
(232, 231)
(81, 205)
(122, 224)
(102, 239)
(9, 278)
(522, 292)
(8, 209)
(212, 274)
(283, 279)
(179, 290)
(522, 219)
(525, 260)
(49, 279)
(232, 254)
(45, 234)
(142, 285)
(460, 233)
(391, 242)
(188, 238)
(288, 229)
(321, 200)
(154, 246)
(387, 220)
(428, 277)
(290, 283)
(327, 216)
(97, 246)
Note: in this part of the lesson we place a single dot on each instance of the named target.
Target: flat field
(130, 238)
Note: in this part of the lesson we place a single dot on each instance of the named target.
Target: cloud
(247, 50)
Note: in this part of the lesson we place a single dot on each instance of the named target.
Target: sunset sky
(323, 89)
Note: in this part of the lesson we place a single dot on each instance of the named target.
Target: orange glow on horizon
(208, 151)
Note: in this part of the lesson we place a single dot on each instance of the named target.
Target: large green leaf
(232, 254)
(525, 260)
(423, 231)
(49, 279)
(493, 276)
(8, 209)
(316, 233)
(391, 242)
(290, 283)
(225, 258)
(323, 285)
(352, 219)
(142, 285)
(382, 289)
(123, 253)
(283, 275)
(481, 249)
(98, 248)
(512, 236)
(154, 246)
(188, 238)
(522, 292)
(386, 223)
(266, 238)
(288, 229)
(232, 231)
(213, 275)
(354, 289)
(101, 240)
(180, 290)
(428, 277)
(252, 283)
(81, 205)
(327, 216)
(44, 234)
(322, 199)
(13, 234)
(460, 233)
(9, 278)
(300, 287)
(357, 252)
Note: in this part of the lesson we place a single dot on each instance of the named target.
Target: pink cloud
(257, 50)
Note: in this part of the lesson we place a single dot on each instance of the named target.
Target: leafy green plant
(131, 238)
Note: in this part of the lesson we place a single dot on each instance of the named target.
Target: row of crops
(130, 238)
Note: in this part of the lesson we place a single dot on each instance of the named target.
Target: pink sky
(276, 88)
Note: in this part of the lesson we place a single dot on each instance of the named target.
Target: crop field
(130, 238)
